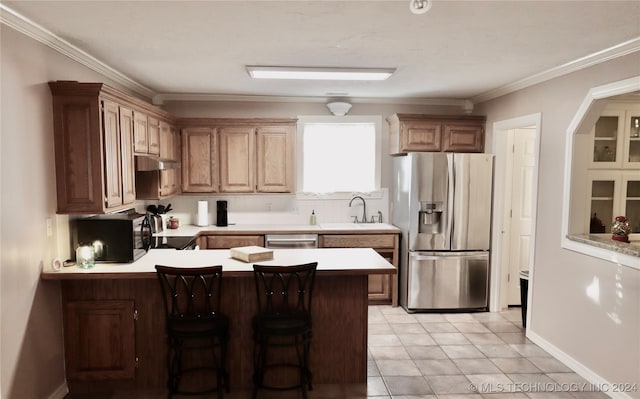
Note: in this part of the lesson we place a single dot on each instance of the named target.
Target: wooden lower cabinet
(382, 288)
(226, 242)
(100, 339)
(111, 355)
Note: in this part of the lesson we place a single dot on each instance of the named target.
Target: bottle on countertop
(312, 219)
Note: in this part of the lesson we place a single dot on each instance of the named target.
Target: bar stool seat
(191, 298)
(283, 320)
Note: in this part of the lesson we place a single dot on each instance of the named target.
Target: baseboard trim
(580, 369)
(60, 392)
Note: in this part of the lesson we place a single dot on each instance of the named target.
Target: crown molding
(607, 54)
(161, 98)
(37, 32)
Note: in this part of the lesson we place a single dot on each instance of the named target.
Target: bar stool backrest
(283, 290)
(190, 293)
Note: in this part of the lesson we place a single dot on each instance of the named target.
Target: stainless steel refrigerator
(442, 204)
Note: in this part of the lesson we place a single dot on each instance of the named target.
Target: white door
(521, 215)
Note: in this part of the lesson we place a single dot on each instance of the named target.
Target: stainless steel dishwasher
(281, 241)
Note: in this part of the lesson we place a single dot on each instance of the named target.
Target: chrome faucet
(364, 209)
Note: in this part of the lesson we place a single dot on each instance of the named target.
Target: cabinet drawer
(358, 241)
(226, 242)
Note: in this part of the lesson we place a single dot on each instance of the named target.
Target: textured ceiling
(458, 50)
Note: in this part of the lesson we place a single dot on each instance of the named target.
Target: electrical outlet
(49, 227)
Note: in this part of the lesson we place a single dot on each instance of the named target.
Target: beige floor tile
(515, 365)
(450, 384)
(384, 340)
(449, 338)
(408, 328)
(483, 338)
(470, 327)
(462, 351)
(423, 339)
(426, 352)
(389, 353)
(476, 366)
(404, 368)
(550, 365)
(408, 386)
(439, 327)
(495, 351)
(437, 367)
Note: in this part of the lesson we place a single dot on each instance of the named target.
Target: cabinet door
(112, 154)
(99, 339)
(140, 139)
(631, 199)
(421, 136)
(153, 132)
(632, 139)
(226, 242)
(168, 182)
(237, 154)
(166, 141)
(175, 137)
(126, 150)
(275, 159)
(78, 148)
(604, 200)
(463, 137)
(380, 284)
(607, 140)
(199, 160)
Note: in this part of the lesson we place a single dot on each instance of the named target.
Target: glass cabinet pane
(605, 140)
(634, 139)
(602, 192)
(602, 189)
(632, 205)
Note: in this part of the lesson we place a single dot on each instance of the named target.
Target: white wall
(31, 322)
(600, 335)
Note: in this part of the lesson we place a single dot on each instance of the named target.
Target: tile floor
(462, 356)
(442, 356)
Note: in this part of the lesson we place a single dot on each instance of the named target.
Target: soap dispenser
(312, 219)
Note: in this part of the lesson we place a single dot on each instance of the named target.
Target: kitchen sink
(342, 226)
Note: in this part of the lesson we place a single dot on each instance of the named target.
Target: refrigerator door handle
(450, 190)
(439, 257)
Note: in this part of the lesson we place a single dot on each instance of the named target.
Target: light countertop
(331, 261)
(323, 228)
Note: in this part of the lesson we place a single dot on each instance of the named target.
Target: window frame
(582, 122)
(305, 119)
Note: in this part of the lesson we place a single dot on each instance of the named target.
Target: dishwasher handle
(302, 241)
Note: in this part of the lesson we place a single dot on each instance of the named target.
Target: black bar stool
(194, 323)
(283, 320)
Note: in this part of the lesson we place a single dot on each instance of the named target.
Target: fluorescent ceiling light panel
(265, 72)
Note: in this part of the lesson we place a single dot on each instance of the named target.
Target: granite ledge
(605, 242)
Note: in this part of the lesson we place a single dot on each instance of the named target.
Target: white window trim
(302, 120)
(579, 122)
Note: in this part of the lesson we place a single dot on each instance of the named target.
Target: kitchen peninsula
(114, 318)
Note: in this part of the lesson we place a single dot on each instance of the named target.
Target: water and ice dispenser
(430, 217)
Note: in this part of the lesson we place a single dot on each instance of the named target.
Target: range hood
(146, 163)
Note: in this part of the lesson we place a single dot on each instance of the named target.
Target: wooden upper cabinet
(126, 156)
(94, 129)
(165, 140)
(463, 137)
(237, 157)
(112, 154)
(421, 136)
(140, 135)
(432, 133)
(153, 132)
(199, 160)
(275, 159)
(254, 155)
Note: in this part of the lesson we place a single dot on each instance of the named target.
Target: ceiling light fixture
(318, 73)
(419, 6)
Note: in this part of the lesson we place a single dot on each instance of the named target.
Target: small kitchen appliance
(221, 214)
(121, 237)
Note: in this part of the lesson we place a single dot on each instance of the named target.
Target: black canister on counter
(221, 213)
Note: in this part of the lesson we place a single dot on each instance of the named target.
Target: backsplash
(278, 208)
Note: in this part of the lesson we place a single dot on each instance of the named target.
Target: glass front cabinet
(614, 171)
(616, 138)
(613, 193)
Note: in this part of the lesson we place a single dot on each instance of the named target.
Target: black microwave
(120, 237)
